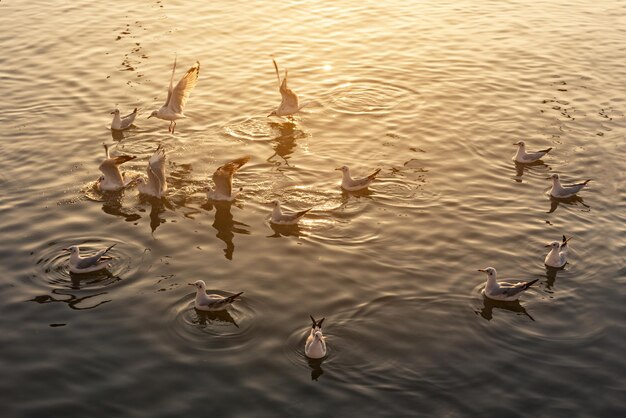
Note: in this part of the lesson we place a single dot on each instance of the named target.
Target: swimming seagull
(280, 218)
(88, 264)
(177, 97)
(156, 185)
(352, 185)
(211, 302)
(119, 123)
(561, 192)
(289, 104)
(223, 179)
(111, 178)
(315, 346)
(503, 290)
(528, 157)
(557, 257)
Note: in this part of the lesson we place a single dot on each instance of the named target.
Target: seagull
(315, 346)
(280, 218)
(156, 185)
(352, 185)
(212, 302)
(524, 157)
(503, 290)
(111, 179)
(562, 192)
(177, 97)
(289, 104)
(121, 123)
(223, 179)
(88, 264)
(557, 257)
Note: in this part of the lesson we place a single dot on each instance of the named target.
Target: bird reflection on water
(520, 168)
(286, 231)
(316, 368)
(488, 306)
(72, 301)
(551, 273)
(572, 201)
(284, 143)
(226, 226)
(206, 318)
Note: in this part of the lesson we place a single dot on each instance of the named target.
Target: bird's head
(116, 112)
(343, 168)
(554, 177)
(199, 284)
(275, 203)
(491, 272)
(73, 249)
(153, 114)
(318, 335)
(520, 144)
(553, 245)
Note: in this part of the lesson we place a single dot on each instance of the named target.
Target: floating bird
(290, 103)
(88, 264)
(223, 180)
(557, 257)
(562, 192)
(120, 123)
(524, 157)
(212, 302)
(177, 97)
(156, 184)
(111, 178)
(503, 290)
(280, 218)
(353, 185)
(315, 346)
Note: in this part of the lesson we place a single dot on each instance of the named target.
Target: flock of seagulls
(155, 184)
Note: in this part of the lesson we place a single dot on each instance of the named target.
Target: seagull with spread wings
(223, 180)
(111, 178)
(290, 103)
(177, 96)
(156, 184)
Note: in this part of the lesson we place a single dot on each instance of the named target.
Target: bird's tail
(107, 250)
(302, 212)
(527, 285)
(232, 298)
(374, 174)
(547, 150)
(586, 181)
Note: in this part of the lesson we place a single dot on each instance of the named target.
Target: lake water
(432, 92)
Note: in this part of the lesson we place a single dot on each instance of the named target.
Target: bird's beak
(113, 112)
(516, 143)
(65, 249)
(483, 270)
(547, 245)
(338, 169)
(191, 284)
(149, 116)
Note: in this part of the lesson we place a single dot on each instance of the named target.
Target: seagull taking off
(353, 185)
(524, 157)
(562, 192)
(557, 257)
(211, 302)
(120, 123)
(280, 218)
(290, 103)
(315, 346)
(503, 290)
(111, 178)
(88, 264)
(177, 96)
(223, 179)
(156, 185)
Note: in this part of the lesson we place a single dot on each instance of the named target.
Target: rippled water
(434, 93)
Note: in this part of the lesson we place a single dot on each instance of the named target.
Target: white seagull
(561, 192)
(353, 185)
(223, 179)
(503, 290)
(120, 123)
(211, 302)
(177, 96)
(290, 103)
(88, 264)
(111, 178)
(557, 257)
(315, 346)
(528, 157)
(280, 218)
(156, 185)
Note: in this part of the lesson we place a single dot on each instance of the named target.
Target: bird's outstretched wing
(180, 94)
(223, 176)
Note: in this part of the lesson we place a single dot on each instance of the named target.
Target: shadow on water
(117, 135)
(209, 317)
(72, 300)
(551, 273)
(112, 205)
(284, 142)
(572, 201)
(316, 368)
(285, 231)
(520, 168)
(225, 225)
(488, 306)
